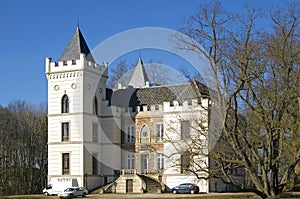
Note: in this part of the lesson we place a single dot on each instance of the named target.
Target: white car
(73, 192)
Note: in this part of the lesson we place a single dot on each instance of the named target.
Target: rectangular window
(185, 130)
(65, 163)
(130, 134)
(130, 161)
(185, 161)
(159, 128)
(160, 161)
(65, 131)
(95, 132)
(95, 164)
(145, 163)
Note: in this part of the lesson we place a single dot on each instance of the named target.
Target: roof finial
(78, 22)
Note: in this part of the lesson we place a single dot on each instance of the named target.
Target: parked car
(73, 192)
(186, 188)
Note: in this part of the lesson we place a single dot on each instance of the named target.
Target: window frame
(185, 162)
(66, 164)
(65, 131)
(130, 134)
(95, 132)
(185, 129)
(65, 106)
(145, 139)
(131, 161)
(159, 132)
(95, 105)
(95, 164)
(160, 161)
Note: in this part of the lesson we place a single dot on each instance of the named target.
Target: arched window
(65, 104)
(95, 106)
(145, 134)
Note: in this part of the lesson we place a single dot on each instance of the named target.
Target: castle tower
(139, 77)
(76, 100)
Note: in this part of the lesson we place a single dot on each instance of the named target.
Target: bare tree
(117, 74)
(160, 74)
(257, 71)
(23, 148)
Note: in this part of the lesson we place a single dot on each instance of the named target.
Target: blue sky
(33, 29)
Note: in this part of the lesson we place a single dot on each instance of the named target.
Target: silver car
(73, 192)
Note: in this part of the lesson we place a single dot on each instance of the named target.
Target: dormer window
(65, 104)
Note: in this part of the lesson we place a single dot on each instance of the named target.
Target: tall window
(95, 132)
(95, 164)
(65, 104)
(65, 131)
(95, 106)
(65, 163)
(145, 162)
(185, 161)
(145, 134)
(130, 134)
(160, 161)
(185, 130)
(159, 128)
(130, 161)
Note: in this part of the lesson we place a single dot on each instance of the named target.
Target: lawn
(144, 196)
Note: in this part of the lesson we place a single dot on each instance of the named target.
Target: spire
(139, 76)
(76, 46)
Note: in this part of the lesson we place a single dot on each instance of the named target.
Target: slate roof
(139, 76)
(132, 97)
(76, 46)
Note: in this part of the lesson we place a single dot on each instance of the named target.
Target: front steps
(131, 182)
(152, 185)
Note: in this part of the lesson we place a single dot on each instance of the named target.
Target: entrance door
(129, 186)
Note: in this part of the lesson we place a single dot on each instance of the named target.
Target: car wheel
(71, 196)
(174, 191)
(46, 193)
(192, 191)
(84, 195)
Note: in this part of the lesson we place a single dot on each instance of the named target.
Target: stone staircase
(108, 188)
(152, 185)
(142, 183)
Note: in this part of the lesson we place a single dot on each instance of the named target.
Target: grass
(158, 196)
(38, 196)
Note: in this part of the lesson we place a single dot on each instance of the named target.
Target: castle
(130, 139)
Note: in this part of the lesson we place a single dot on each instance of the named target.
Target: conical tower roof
(76, 46)
(139, 76)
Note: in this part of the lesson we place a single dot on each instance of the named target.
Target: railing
(151, 171)
(128, 171)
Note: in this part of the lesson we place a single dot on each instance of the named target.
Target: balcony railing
(128, 171)
(151, 171)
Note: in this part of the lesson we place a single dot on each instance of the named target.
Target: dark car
(186, 188)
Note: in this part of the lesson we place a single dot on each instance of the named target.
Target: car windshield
(69, 189)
